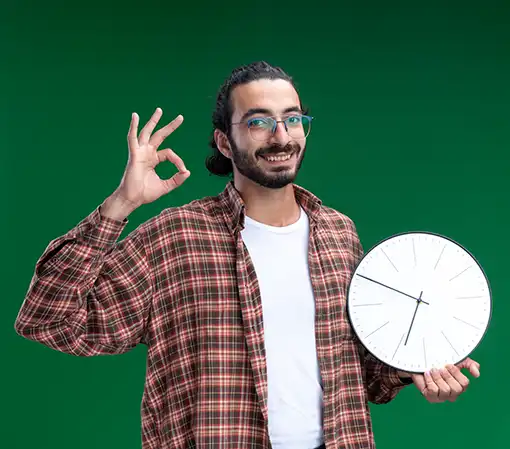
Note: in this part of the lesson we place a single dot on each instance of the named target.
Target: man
(239, 297)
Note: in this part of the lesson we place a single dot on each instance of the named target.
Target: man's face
(266, 162)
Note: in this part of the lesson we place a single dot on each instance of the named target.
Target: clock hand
(419, 300)
(394, 289)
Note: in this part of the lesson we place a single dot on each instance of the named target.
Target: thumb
(419, 381)
(471, 365)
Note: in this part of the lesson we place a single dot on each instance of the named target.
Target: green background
(412, 132)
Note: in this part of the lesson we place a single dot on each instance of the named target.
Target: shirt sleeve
(383, 382)
(89, 295)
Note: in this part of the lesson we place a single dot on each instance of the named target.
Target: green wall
(412, 132)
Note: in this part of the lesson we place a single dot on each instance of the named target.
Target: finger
(175, 181)
(133, 132)
(459, 377)
(149, 127)
(169, 155)
(431, 391)
(419, 382)
(160, 135)
(454, 386)
(444, 388)
(475, 370)
(473, 367)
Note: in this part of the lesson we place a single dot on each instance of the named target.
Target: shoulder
(338, 223)
(335, 218)
(342, 229)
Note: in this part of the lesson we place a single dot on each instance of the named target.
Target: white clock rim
(436, 234)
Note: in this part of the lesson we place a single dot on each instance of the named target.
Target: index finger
(169, 155)
(160, 135)
(133, 131)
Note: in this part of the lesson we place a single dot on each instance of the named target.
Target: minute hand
(394, 289)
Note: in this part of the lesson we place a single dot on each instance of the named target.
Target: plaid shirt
(183, 284)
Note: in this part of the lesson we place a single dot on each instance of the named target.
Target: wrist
(116, 207)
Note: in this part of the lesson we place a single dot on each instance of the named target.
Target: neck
(274, 207)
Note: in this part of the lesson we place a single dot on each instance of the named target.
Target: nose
(280, 135)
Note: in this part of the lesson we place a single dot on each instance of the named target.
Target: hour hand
(394, 289)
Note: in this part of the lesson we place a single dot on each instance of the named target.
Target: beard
(272, 177)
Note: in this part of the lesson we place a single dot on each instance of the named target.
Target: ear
(222, 143)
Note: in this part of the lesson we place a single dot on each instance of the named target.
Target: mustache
(290, 148)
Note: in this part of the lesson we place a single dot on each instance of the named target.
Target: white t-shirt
(280, 257)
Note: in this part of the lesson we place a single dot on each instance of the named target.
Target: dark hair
(216, 163)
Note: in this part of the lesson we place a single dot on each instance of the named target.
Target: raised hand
(140, 183)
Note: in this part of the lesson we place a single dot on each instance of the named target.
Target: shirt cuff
(394, 380)
(99, 231)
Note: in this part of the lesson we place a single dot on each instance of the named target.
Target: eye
(259, 123)
(294, 120)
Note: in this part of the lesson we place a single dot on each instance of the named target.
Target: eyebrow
(254, 111)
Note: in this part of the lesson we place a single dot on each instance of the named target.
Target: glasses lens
(298, 126)
(261, 128)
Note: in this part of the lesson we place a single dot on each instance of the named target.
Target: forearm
(383, 382)
(70, 302)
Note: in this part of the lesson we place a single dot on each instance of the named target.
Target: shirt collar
(234, 208)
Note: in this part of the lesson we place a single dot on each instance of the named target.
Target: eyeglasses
(262, 128)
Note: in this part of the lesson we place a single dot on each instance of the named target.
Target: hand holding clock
(449, 318)
(445, 384)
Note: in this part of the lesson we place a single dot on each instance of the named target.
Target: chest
(216, 285)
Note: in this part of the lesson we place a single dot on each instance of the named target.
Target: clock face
(418, 301)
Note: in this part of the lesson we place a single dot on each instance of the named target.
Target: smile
(277, 157)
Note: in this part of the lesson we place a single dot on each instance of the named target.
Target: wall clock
(419, 300)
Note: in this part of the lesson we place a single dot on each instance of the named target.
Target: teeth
(278, 158)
